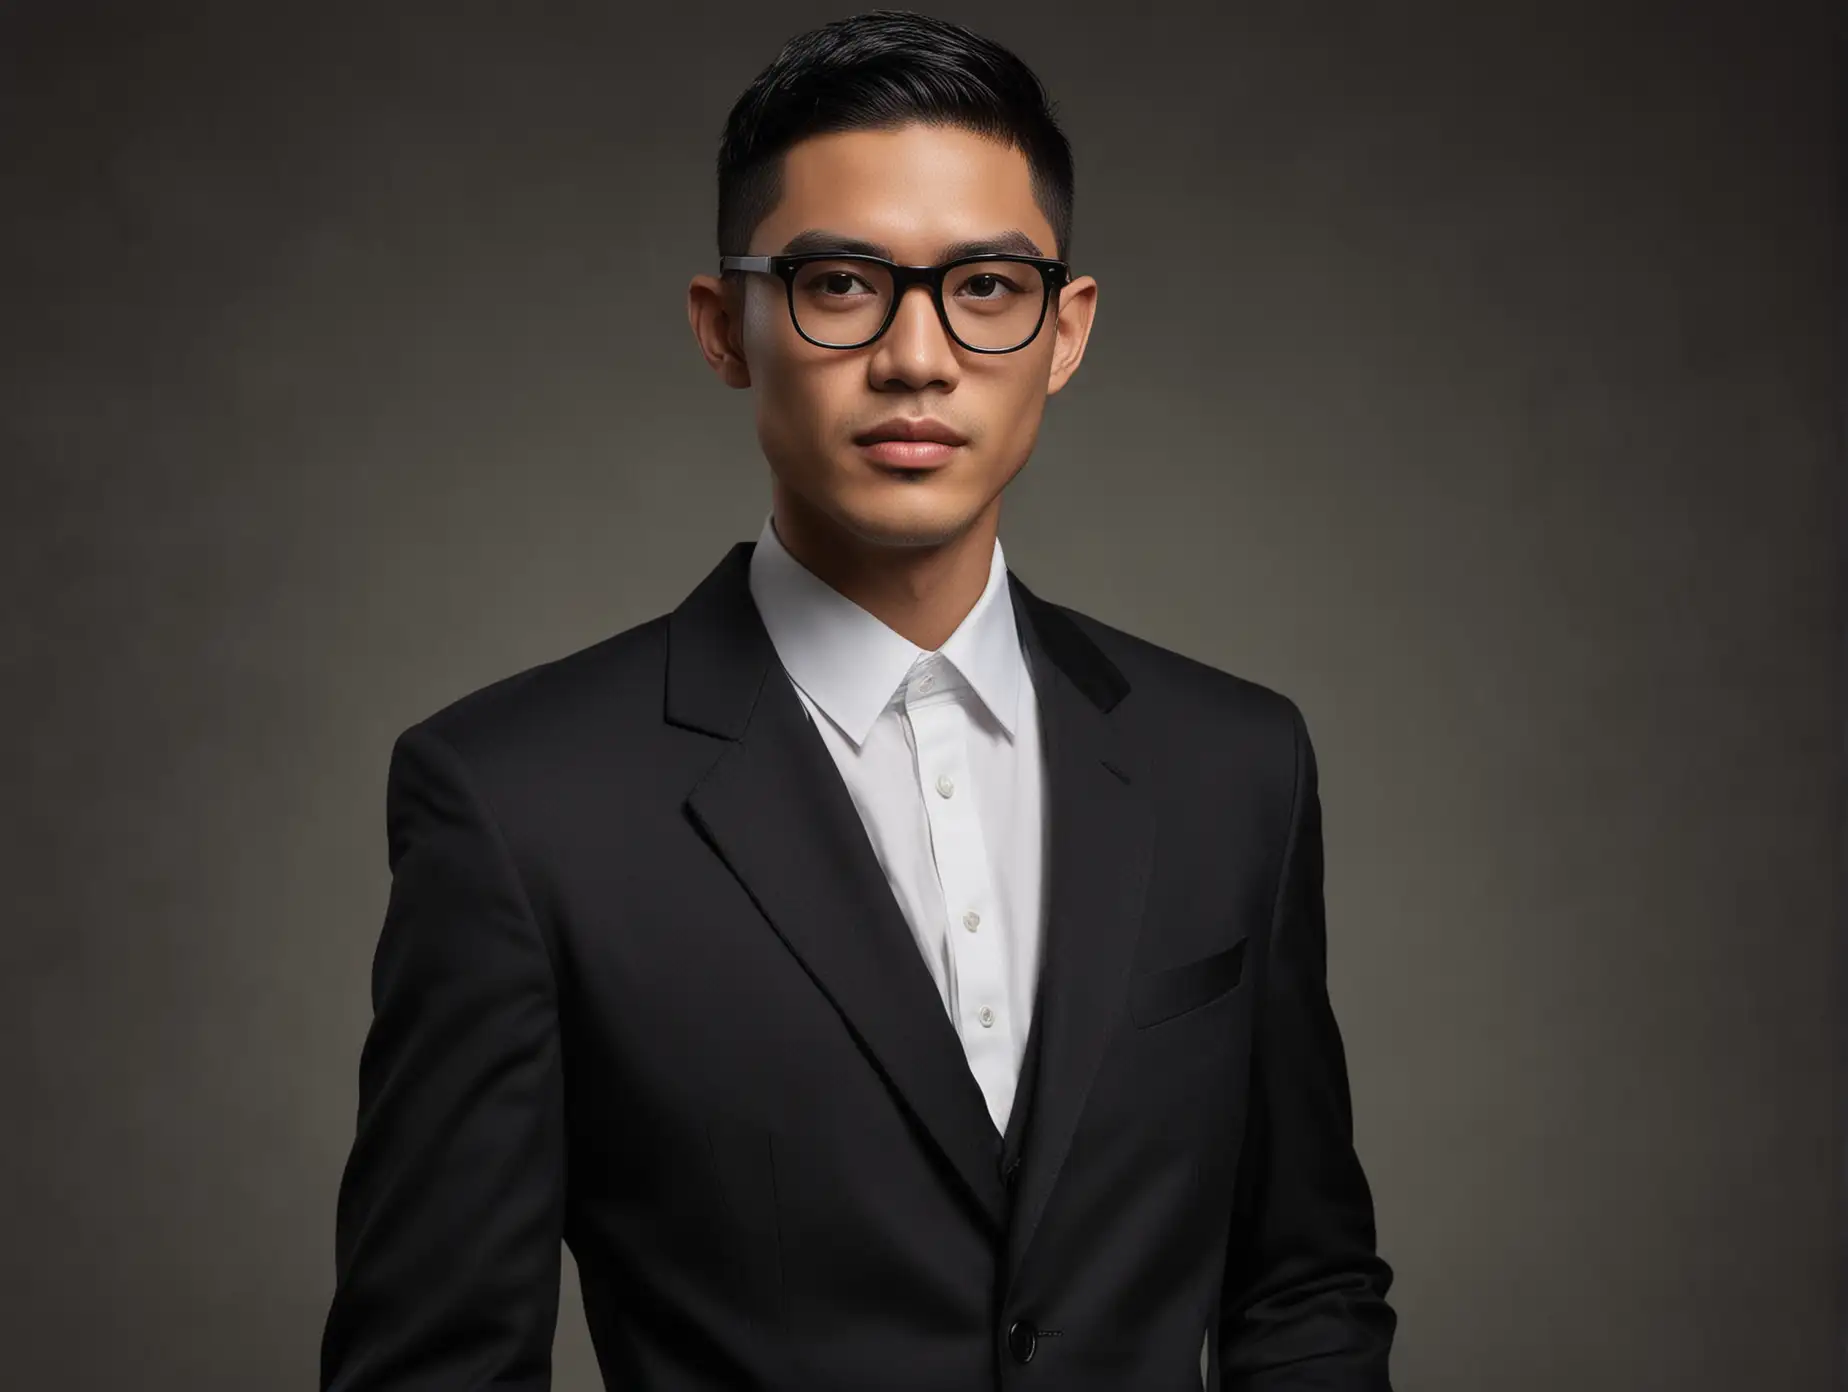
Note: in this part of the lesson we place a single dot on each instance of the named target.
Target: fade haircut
(879, 71)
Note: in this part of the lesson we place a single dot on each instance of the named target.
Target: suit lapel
(775, 809)
(1101, 838)
(777, 812)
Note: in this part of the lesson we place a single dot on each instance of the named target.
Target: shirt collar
(851, 664)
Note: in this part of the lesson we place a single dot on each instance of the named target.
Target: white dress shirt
(941, 753)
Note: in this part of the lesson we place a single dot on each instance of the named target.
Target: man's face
(914, 191)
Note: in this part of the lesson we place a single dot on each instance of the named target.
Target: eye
(991, 284)
(825, 281)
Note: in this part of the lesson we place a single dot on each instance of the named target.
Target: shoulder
(1187, 712)
(1185, 685)
(556, 714)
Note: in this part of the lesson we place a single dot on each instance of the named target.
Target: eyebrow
(1012, 242)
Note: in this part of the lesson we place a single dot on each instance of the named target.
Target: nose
(915, 348)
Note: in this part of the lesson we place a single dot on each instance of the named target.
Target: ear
(1071, 330)
(715, 311)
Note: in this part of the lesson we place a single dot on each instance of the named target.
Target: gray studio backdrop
(1468, 372)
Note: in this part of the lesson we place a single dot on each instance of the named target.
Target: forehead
(916, 189)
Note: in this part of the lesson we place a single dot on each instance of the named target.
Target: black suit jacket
(642, 987)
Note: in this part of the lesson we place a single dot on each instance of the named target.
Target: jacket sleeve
(1303, 1306)
(450, 1210)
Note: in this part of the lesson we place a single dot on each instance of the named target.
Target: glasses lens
(994, 304)
(840, 302)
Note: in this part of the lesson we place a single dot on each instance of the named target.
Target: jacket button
(1021, 1340)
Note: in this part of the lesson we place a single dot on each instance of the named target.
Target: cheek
(797, 405)
(1015, 425)
(793, 388)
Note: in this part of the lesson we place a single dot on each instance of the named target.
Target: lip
(911, 428)
(910, 442)
(909, 454)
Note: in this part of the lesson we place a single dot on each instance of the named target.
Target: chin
(894, 519)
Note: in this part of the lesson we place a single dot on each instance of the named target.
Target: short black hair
(878, 71)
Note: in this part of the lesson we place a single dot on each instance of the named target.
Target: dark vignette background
(1468, 371)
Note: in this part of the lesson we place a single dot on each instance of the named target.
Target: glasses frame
(1054, 275)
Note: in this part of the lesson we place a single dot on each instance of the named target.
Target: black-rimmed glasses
(988, 304)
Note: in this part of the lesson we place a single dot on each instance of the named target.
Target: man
(881, 976)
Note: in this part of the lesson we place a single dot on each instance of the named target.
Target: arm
(449, 1218)
(1303, 1307)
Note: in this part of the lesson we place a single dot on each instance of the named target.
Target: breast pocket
(1160, 995)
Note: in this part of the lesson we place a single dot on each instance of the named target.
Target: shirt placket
(976, 961)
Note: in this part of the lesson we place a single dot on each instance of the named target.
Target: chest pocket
(1160, 995)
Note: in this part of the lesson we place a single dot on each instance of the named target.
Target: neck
(921, 592)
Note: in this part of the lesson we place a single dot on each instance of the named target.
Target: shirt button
(945, 784)
(971, 920)
(926, 683)
(986, 1016)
